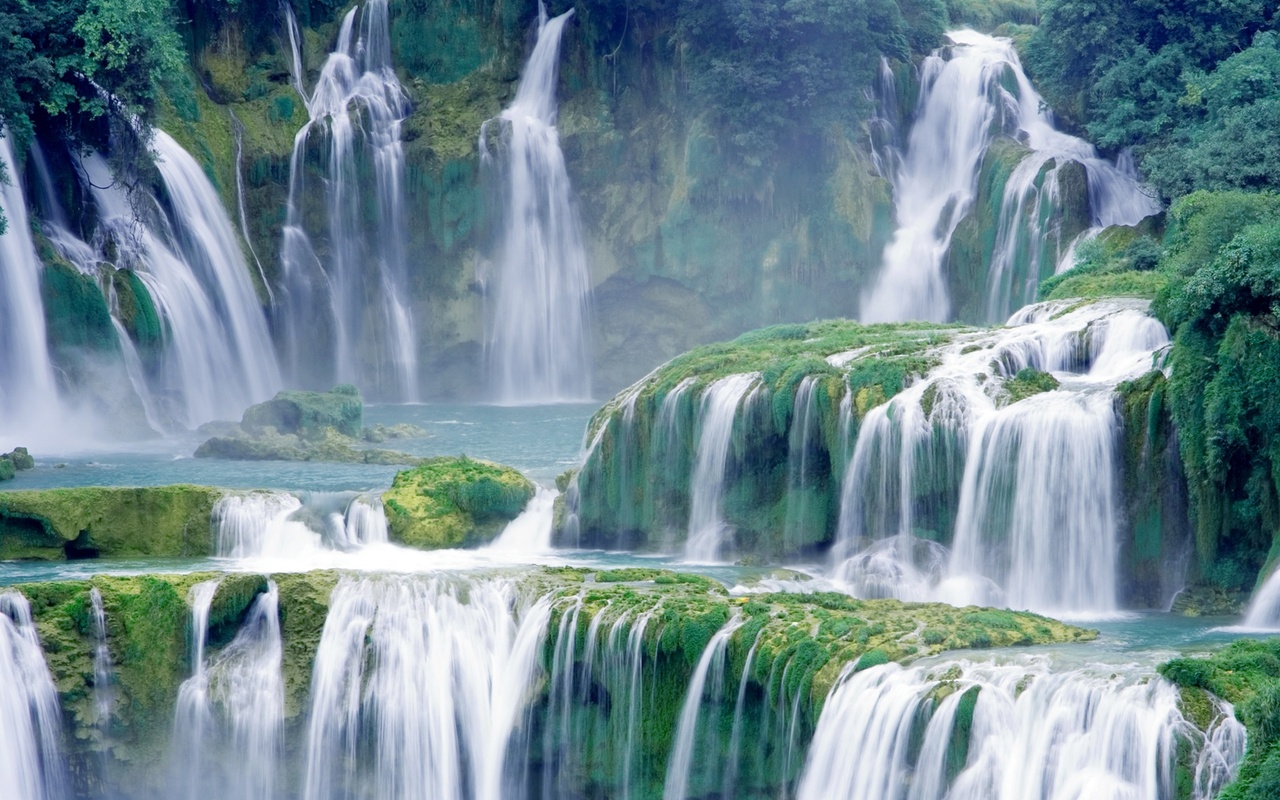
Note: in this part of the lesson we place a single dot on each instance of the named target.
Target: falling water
(280, 525)
(964, 103)
(27, 388)
(1031, 732)
(192, 715)
(530, 532)
(426, 679)
(1264, 609)
(217, 356)
(538, 344)
(710, 667)
(363, 286)
(31, 766)
(237, 128)
(802, 515)
(708, 531)
(103, 670)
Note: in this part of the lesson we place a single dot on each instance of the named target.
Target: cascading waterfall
(192, 715)
(802, 439)
(965, 730)
(363, 285)
(237, 129)
(217, 356)
(28, 390)
(1027, 491)
(708, 531)
(418, 687)
(965, 102)
(279, 525)
(530, 532)
(31, 765)
(538, 345)
(1264, 609)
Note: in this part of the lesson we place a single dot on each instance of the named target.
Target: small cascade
(28, 390)
(708, 531)
(529, 533)
(708, 676)
(361, 287)
(539, 326)
(803, 513)
(246, 686)
(104, 695)
(1006, 731)
(281, 525)
(974, 91)
(31, 766)
(418, 688)
(192, 715)
(237, 128)
(1263, 612)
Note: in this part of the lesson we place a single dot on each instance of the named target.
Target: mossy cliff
(454, 502)
(90, 522)
(799, 644)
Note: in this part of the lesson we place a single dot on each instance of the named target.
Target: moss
(112, 522)
(454, 502)
(1122, 284)
(323, 445)
(306, 412)
(1028, 383)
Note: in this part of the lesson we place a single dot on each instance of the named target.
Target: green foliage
(1119, 262)
(1028, 383)
(454, 502)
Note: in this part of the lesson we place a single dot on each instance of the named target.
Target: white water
(964, 105)
(28, 392)
(539, 323)
(1092, 732)
(710, 668)
(103, 671)
(30, 721)
(192, 718)
(1264, 609)
(1035, 521)
(427, 679)
(281, 528)
(217, 357)
(361, 290)
(708, 532)
(531, 531)
(802, 439)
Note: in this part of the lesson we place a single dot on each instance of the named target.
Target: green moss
(308, 412)
(324, 445)
(454, 502)
(113, 522)
(1028, 383)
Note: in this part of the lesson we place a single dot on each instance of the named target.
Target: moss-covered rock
(20, 458)
(454, 502)
(309, 412)
(111, 522)
(325, 445)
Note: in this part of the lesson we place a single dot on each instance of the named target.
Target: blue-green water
(541, 441)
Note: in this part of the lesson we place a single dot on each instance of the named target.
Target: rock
(309, 412)
(7, 469)
(53, 524)
(380, 433)
(454, 502)
(326, 445)
(21, 459)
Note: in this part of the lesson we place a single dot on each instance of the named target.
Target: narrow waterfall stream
(538, 336)
(720, 404)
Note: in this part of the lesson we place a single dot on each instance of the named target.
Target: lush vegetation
(1194, 87)
(454, 502)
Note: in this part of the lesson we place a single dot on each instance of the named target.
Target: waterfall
(192, 717)
(362, 288)
(1025, 491)
(28, 392)
(538, 339)
(1263, 612)
(972, 91)
(280, 525)
(530, 532)
(708, 532)
(1003, 731)
(217, 357)
(710, 668)
(237, 128)
(103, 671)
(31, 765)
(802, 515)
(418, 686)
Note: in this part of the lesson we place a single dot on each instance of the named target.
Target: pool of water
(541, 441)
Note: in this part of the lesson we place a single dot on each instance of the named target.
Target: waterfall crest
(539, 323)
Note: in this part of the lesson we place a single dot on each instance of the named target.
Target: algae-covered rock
(1027, 383)
(20, 459)
(309, 412)
(326, 444)
(92, 521)
(381, 433)
(7, 470)
(454, 502)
